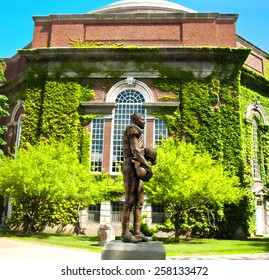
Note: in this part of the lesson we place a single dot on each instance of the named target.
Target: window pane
(97, 145)
(94, 213)
(18, 134)
(158, 214)
(160, 131)
(116, 212)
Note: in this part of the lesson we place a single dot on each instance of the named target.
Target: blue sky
(16, 28)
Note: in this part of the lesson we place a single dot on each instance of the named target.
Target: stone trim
(129, 83)
(133, 16)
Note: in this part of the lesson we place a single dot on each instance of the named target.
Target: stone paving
(11, 249)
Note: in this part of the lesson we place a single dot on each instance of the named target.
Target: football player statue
(135, 170)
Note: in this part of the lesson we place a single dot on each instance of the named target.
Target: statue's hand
(149, 174)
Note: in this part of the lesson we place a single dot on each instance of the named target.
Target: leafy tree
(3, 105)
(49, 186)
(187, 183)
(2, 64)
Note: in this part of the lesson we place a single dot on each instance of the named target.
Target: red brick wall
(60, 33)
(149, 133)
(173, 33)
(208, 34)
(226, 34)
(107, 142)
(254, 61)
(14, 67)
(137, 33)
(42, 32)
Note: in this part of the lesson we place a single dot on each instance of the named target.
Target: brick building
(160, 35)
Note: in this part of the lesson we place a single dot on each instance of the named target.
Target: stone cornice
(98, 107)
(133, 16)
(234, 55)
(142, 62)
(168, 107)
(103, 108)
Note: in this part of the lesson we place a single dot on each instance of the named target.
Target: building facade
(122, 52)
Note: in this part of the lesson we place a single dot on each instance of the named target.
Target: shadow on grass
(262, 243)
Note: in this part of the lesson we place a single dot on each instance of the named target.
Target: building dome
(142, 6)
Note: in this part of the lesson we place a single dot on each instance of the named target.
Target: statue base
(118, 250)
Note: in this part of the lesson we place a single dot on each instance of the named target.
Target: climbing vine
(52, 110)
(209, 115)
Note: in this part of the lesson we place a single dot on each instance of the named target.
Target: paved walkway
(11, 249)
(264, 256)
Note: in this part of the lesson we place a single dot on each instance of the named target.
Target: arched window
(255, 114)
(128, 101)
(255, 160)
(18, 133)
(16, 124)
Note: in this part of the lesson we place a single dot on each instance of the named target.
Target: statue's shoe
(129, 238)
(143, 238)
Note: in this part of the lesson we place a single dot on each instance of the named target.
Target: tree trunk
(78, 228)
(177, 224)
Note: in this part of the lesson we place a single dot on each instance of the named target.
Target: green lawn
(217, 247)
(182, 247)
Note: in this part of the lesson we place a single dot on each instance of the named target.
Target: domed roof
(141, 6)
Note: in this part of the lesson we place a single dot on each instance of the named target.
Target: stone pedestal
(117, 250)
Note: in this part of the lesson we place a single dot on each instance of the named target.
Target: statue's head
(138, 119)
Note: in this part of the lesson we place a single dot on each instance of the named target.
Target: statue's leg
(129, 186)
(139, 201)
(138, 213)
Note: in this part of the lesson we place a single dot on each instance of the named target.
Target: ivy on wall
(52, 110)
(33, 109)
(209, 115)
(60, 118)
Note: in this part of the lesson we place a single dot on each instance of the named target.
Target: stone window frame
(15, 124)
(130, 83)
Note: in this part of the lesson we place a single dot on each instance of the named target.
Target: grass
(217, 247)
(173, 247)
(64, 240)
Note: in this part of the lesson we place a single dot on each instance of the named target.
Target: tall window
(255, 162)
(97, 144)
(116, 211)
(129, 101)
(158, 214)
(18, 133)
(160, 131)
(94, 213)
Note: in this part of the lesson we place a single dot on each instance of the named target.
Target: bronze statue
(135, 169)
